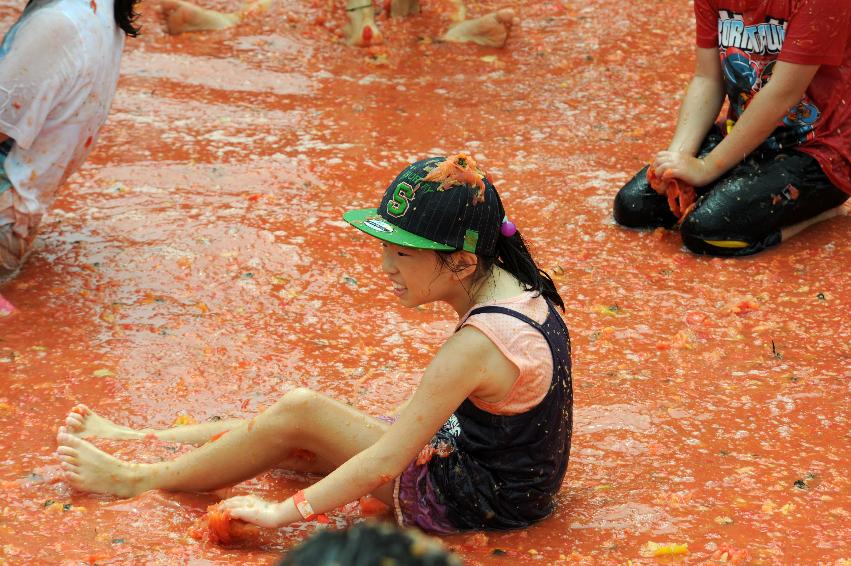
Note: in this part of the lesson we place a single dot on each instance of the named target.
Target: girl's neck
(499, 284)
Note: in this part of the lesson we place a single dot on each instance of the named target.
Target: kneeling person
(58, 72)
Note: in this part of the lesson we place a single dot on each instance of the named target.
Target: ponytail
(125, 16)
(513, 256)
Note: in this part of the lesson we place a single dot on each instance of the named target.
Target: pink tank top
(523, 346)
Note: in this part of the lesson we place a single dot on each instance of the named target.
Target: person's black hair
(513, 256)
(125, 16)
(369, 544)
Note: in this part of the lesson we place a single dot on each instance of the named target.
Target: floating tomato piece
(218, 521)
(371, 506)
(218, 526)
(218, 435)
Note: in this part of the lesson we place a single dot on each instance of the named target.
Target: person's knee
(707, 233)
(626, 208)
(638, 206)
(298, 399)
(701, 227)
(293, 406)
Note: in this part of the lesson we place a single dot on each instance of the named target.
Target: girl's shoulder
(523, 345)
(513, 336)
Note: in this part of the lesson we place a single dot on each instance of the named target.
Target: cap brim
(368, 220)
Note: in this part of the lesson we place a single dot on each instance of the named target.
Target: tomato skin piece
(371, 506)
(218, 521)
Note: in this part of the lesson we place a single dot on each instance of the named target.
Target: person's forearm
(360, 475)
(698, 112)
(755, 124)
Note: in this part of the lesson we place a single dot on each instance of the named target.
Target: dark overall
(502, 471)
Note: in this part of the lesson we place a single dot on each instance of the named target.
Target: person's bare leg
(460, 13)
(361, 30)
(794, 229)
(401, 8)
(302, 419)
(85, 423)
(182, 17)
(490, 31)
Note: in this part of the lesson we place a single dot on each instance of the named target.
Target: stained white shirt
(59, 67)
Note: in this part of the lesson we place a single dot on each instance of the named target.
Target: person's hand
(678, 165)
(253, 509)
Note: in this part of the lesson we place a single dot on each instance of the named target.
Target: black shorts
(744, 211)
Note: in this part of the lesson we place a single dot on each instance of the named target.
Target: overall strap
(559, 356)
(509, 312)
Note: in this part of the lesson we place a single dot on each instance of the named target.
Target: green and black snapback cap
(434, 215)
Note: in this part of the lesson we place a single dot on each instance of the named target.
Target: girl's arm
(787, 86)
(461, 365)
(701, 105)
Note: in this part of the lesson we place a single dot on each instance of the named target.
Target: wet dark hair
(368, 544)
(513, 256)
(125, 16)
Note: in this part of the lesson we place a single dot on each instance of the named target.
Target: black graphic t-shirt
(752, 35)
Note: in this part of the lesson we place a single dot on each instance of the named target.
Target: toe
(81, 410)
(66, 451)
(74, 479)
(506, 16)
(67, 439)
(71, 461)
(74, 421)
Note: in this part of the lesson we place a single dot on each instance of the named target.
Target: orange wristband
(303, 506)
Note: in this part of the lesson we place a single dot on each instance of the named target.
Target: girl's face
(417, 276)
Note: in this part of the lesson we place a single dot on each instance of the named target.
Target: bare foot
(255, 7)
(460, 13)
(794, 229)
(89, 469)
(85, 423)
(490, 31)
(183, 17)
(361, 30)
(400, 8)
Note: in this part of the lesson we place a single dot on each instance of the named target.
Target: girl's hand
(676, 164)
(252, 509)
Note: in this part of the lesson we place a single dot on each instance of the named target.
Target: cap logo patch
(398, 204)
(471, 240)
(379, 225)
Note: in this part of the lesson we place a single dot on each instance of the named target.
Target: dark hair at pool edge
(513, 256)
(368, 544)
(125, 16)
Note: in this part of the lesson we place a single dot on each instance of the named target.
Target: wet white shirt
(58, 72)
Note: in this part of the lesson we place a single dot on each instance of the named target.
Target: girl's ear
(464, 264)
